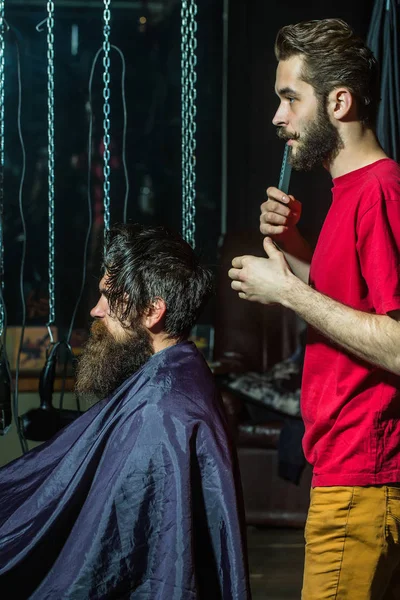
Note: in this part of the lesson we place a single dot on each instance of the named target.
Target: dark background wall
(153, 144)
(153, 83)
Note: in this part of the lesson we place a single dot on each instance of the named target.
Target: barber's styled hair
(333, 56)
(145, 263)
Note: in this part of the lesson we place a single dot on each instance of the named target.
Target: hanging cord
(89, 170)
(22, 440)
(88, 232)
(50, 72)
(123, 73)
(106, 113)
(188, 114)
(89, 198)
(6, 383)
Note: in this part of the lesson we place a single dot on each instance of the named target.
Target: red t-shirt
(351, 409)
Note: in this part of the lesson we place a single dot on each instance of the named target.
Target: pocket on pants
(328, 511)
(392, 526)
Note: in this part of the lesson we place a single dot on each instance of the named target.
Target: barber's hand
(264, 280)
(279, 214)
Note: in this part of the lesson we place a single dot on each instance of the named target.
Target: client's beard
(106, 362)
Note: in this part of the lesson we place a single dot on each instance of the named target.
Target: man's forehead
(288, 76)
(103, 282)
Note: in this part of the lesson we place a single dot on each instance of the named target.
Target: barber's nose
(280, 117)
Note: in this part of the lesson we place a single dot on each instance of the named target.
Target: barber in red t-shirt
(328, 86)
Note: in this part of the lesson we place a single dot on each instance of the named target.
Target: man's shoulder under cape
(138, 498)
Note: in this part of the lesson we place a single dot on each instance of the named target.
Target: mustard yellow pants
(353, 544)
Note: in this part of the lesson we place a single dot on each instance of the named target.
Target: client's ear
(154, 316)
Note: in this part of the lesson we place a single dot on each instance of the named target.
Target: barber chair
(253, 338)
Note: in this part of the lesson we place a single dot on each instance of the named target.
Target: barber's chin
(293, 144)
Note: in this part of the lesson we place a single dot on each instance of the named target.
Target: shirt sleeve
(378, 245)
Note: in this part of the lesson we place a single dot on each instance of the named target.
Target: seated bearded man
(140, 496)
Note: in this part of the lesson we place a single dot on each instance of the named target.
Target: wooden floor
(276, 558)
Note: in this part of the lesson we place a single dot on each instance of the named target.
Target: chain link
(2, 48)
(106, 113)
(188, 114)
(50, 124)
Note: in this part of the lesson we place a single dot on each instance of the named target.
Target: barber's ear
(341, 103)
(155, 313)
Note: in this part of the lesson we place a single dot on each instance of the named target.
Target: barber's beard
(319, 143)
(106, 362)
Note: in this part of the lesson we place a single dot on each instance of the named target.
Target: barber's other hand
(264, 280)
(279, 214)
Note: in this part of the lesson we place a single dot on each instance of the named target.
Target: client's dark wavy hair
(145, 263)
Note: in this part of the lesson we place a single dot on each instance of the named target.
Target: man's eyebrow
(104, 292)
(287, 91)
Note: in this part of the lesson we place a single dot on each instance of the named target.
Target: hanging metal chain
(2, 48)
(50, 123)
(106, 112)
(188, 113)
(184, 113)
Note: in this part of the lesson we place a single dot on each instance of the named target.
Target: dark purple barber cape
(138, 498)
